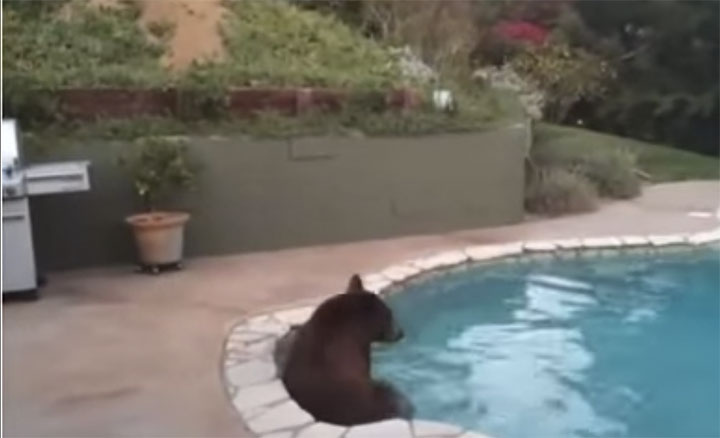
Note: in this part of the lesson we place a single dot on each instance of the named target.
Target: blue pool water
(623, 346)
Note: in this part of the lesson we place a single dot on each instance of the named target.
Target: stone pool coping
(248, 368)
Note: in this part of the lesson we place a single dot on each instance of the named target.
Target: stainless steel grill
(19, 272)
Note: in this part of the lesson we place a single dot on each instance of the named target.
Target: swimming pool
(614, 346)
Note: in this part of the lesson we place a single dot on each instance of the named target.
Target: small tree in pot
(157, 167)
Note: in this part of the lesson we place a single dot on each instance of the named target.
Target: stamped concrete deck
(109, 353)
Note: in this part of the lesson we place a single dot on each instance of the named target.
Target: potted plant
(157, 167)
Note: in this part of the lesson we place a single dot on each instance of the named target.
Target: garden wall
(95, 103)
(263, 194)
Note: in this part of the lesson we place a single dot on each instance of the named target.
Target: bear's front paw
(406, 409)
(402, 407)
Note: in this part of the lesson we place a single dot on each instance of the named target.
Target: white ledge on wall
(250, 377)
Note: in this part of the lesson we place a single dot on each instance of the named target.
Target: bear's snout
(399, 334)
(395, 334)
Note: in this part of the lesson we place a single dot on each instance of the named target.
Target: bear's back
(327, 364)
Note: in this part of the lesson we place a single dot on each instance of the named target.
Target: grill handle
(14, 217)
(64, 177)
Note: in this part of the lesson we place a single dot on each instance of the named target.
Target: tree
(442, 32)
(666, 55)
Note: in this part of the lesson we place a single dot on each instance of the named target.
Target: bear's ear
(355, 285)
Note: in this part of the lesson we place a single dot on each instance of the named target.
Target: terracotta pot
(159, 236)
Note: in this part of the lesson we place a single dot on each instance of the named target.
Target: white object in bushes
(443, 100)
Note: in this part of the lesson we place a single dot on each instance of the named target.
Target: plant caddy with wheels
(157, 167)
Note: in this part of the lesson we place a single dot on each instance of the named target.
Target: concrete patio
(107, 352)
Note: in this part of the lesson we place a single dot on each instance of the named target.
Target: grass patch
(568, 146)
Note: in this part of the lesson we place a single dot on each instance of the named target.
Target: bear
(325, 363)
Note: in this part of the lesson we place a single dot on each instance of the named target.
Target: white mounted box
(64, 177)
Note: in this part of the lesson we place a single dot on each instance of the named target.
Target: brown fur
(327, 368)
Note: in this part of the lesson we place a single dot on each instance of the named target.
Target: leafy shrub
(157, 167)
(44, 50)
(277, 43)
(442, 33)
(412, 65)
(613, 172)
(525, 31)
(495, 50)
(610, 165)
(529, 96)
(565, 75)
(555, 191)
(84, 47)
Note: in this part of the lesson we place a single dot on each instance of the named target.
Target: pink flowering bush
(522, 31)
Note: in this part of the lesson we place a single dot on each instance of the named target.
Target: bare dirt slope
(196, 23)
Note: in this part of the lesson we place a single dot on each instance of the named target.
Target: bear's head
(376, 314)
(361, 312)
